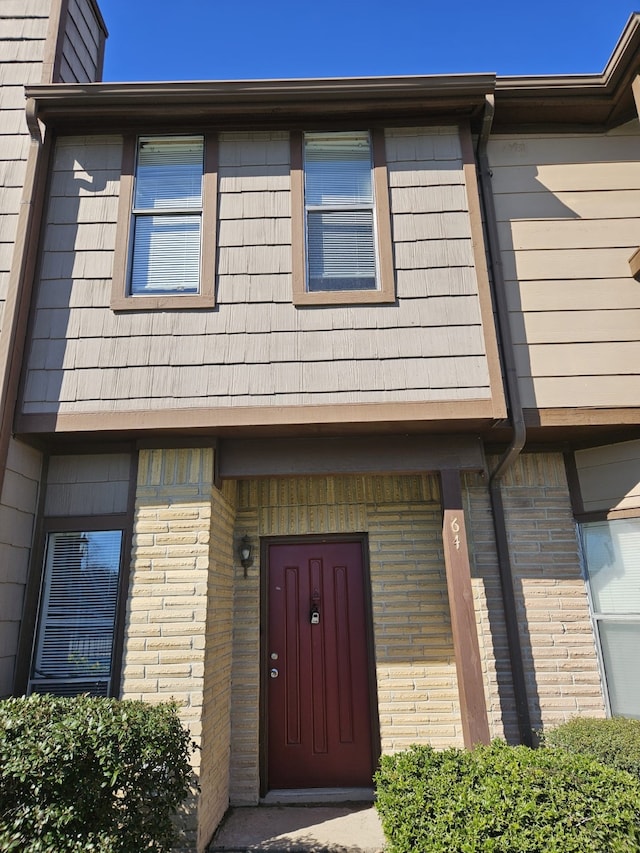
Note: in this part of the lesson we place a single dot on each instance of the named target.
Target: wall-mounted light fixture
(246, 553)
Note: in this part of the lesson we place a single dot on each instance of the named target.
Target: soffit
(251, 102)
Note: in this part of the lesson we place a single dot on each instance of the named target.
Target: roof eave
(255, 99)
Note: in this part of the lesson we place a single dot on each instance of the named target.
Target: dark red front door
(319, 718)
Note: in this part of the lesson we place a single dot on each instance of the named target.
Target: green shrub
(90, 774)
(502, 799)
(615, 742)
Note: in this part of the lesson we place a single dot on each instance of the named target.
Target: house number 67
(455, 529)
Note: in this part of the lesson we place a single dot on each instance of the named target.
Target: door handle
(274, 673)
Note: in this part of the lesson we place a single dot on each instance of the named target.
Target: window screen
(167, 216)
(339, 212)
(77, 612)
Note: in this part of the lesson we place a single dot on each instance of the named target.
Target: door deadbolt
(274, 673)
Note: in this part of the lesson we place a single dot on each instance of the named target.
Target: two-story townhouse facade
(41, 41)
(328, 403)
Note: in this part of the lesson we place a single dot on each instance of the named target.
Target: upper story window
(165, 245)
(341, 219)
(167, 216)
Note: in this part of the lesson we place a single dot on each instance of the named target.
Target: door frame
(265, 542)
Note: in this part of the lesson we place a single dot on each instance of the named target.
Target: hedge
(90, 774)
(502, 799)
(614, 741)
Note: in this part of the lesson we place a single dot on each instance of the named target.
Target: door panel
(319, 715)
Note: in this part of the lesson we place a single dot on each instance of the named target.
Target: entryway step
(315, 796)
(348, 828)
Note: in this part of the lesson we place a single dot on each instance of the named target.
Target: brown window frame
(121, 299)
(29, 629)
(386, 292)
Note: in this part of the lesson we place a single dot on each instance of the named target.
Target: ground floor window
(612, 558)
(73, 650)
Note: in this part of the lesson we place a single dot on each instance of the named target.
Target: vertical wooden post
(473, 709)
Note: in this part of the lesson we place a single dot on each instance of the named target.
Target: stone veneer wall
(216, 715)
(561, 665)
(179, 614)
(188, 598)
(416, 678)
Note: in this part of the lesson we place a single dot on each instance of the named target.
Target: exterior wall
(561, 667)
(82, 44)
(428, 347)
(216, 714)
(91, 484)
(23, 31)
(489, 609)
(28, 37)
(177, 635)
(415, 667)
(610, 477)
(28, 34)
(18, 507)
(567, 209)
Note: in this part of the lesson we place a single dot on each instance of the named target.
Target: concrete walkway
(353, 828)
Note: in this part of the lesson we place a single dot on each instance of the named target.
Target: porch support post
(473, 709)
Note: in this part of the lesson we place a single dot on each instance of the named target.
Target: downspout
(16, 310)
(518, 425)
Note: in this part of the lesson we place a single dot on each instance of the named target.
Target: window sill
(344, 297)
(169, 302)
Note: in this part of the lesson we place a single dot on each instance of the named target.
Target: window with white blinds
(76, 617)
(340, 228)
(167, 216)
(612, 557)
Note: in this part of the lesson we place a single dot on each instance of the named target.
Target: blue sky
(241, 39)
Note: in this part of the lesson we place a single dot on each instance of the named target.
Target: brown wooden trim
(26, 637)
(298, 283)
(244, 458)
(101, 50)
(573, 481)
(52, 56)
(125, 201)
(473, 708)
(90, 448)
(386, 262)
(24, 262)
(151, 125)
(482, 273)
(69, 523)
(401, 99)
(340, 414)
(265, 543)
(342, 297)
(121, 300)
(263, 705)
(45, 525)
(179, 442)
(607, 515)
(581, 416)
(209, 221)
(386, 292)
